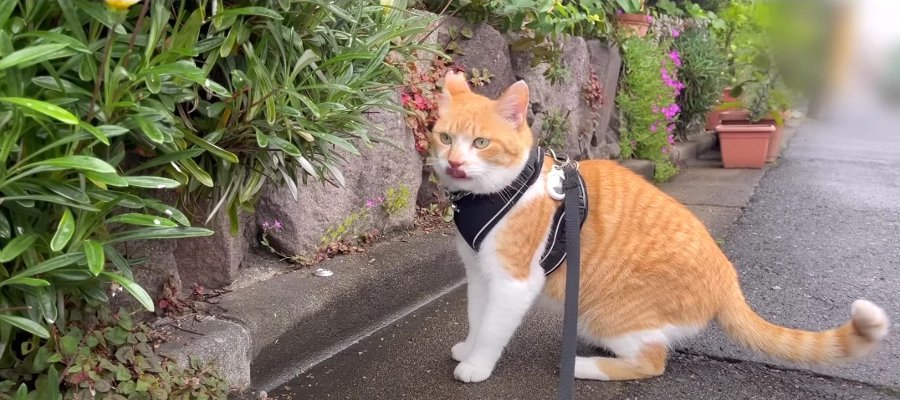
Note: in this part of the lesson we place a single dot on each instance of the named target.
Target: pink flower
(650, 19)
(676, 57)
(676, 32)
(670, 138)
(277, 225)
(653, 127)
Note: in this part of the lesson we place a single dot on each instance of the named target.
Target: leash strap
(573, 262)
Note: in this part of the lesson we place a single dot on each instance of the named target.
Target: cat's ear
(513, 103)
(455, 83)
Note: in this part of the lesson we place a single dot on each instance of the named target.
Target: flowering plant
(646, 99)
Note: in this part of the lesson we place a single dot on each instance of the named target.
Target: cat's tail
(868, 325)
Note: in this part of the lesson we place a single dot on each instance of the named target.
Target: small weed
(102, 354)
(456, 34)
(480, 77)
(395, 200)
(553, 129)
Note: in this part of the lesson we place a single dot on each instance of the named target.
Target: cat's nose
(455, 164)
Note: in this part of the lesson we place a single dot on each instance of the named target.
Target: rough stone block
(588, 135)
(321, 206)
(223, 345)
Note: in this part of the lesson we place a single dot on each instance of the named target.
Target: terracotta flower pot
(735, 117)
(744, 146)
(637, 24)
(775, 141)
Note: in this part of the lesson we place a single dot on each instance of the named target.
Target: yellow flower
(121, 4)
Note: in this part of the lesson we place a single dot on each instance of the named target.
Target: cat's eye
(445, 138)
(481, 143)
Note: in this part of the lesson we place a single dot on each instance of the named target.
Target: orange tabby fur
(647, 262)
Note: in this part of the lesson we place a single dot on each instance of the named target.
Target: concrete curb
(273, 330)
(684, 154)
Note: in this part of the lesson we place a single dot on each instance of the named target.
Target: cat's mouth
(456, 173)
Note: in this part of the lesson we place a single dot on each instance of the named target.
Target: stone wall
(218, 260)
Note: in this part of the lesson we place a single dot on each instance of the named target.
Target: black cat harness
(475, 215)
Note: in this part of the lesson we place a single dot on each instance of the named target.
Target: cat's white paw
(468, 372)
(460, 351)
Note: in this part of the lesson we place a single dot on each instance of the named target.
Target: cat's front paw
(468, 372)
(460, 351)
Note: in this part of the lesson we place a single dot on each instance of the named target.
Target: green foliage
(641, 94)
(630, 6)
(396, 199)
(99, 107)
(553, 129)
(703, 72)
(108, 356)
(541, 24)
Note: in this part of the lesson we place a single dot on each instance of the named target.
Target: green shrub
(98, 107)
(553, 130)
(541, 22)
(703, 73)
(647, 103)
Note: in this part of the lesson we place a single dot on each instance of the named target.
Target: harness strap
(570, 312)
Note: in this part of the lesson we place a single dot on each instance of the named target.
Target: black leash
(573, 262)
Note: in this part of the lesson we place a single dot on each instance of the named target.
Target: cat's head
(480, 145)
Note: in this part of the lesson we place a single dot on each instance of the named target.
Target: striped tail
(868, 325)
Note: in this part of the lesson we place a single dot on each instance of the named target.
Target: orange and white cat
(650, 272)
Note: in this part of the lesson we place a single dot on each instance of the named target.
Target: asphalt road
(822, 229)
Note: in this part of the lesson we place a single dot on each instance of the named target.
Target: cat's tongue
(457, 173)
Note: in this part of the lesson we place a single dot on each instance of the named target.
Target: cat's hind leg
(639, 354)
(649, 362)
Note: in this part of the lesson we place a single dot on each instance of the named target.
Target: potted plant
(631, 20)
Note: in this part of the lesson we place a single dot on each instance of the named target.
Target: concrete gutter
(274, 330)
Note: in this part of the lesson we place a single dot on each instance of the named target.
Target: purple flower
(650, 19)
(676, 32)
(370, 203)
(653, 127)
(676, 57)
(277, 225)
(670, 138)
(265, 226)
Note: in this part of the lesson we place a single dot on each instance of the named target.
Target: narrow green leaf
(64, 231)
(93, 251)
(172, 212)
(50, 110)
(259, 11)
(151, 182)
(150, 129)
(284, 145)
(99, 134)
(142, 220)
(17, 246)
(27, 282)
(339, 142)
(26, 325)
(51, 384)
(101, 180)
(197, 172)
(136, 290)
(166, 158)
(30, 54)
(212, 148)
(158, 233)
(81, 163)
(57, 262)
(5, 231)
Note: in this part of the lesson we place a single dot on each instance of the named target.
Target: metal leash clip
(556, 177)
